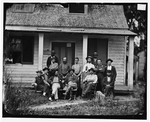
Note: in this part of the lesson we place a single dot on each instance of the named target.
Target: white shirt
(90, 77)
(109, 67)
(88, 66)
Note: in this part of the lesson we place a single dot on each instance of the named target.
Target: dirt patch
(57, 104)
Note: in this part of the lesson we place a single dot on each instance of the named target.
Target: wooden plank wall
(23, 72)
(116, 51)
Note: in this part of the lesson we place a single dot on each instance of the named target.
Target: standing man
(63, 69)
(50, 58)
(95, 58)
(88, 65)
(77, 71)
(110, 73)
(100, 73)
(76, 67)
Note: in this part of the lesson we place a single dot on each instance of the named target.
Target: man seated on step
(109, 79)
(38, 82)
(89, 82)
(47, 82)
(71, 80)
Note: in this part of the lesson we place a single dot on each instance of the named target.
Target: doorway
(100, 46)
(64, 49)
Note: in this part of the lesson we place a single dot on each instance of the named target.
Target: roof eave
(106, 31)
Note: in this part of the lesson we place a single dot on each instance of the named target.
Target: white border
(64, 1)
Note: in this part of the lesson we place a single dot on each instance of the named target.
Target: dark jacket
(49, 60)
(72, 78)
(105, 82)
(113, 72)
(39, 80)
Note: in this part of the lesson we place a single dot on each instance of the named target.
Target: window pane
(76, 8)
(27, 56)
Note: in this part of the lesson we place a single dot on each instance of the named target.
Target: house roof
(99, 16)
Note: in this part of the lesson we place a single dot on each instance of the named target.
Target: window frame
(21, 37)
(80, 13)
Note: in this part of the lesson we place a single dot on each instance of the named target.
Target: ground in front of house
(35, 104)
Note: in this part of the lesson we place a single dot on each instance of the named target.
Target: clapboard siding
(24, 72)
(116, 51)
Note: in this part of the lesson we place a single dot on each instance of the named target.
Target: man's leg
(87, 89)
(46, 90)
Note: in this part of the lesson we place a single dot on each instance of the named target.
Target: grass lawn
(28, 98)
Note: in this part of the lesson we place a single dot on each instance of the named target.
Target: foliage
(137, 22)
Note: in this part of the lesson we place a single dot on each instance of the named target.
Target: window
(76, 8)
(23, 7)
(21, 49)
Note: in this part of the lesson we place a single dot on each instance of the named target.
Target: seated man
(89, 82)
(47, 83)
(110, 77)
(108, 84)
(71, 80)
(55, 81)
(38, 83)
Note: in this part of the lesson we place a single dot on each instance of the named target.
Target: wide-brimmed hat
(89, 57)
(39, 71)
(91, 69)
(53, 52)
(109, 60)
(46, 69)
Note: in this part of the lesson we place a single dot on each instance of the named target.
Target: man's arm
(48, 62)
(114, 73)
(95, 80)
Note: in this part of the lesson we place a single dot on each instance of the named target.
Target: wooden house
(76, 30)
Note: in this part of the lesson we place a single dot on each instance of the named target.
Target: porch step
(122, 89)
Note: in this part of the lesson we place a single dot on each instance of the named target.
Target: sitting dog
(100, 97)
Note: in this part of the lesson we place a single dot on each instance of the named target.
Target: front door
(64, 49)
(100, 46)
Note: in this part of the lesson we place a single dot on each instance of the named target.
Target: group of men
(69, 78)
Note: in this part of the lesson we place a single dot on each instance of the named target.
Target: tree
(137, 22)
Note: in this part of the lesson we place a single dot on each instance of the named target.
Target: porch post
(85, 46)
(130, 62)
(40, 53)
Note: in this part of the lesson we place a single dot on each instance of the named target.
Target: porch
(115, 48)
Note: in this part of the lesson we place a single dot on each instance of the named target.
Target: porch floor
(122, 89)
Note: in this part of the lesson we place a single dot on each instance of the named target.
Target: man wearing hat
(89, 82)
(38, 83)
(88, 65)
(71, 81)
(86, 68)
(110, 73)
(50, 58)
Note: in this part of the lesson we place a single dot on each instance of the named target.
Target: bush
(16, 98)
